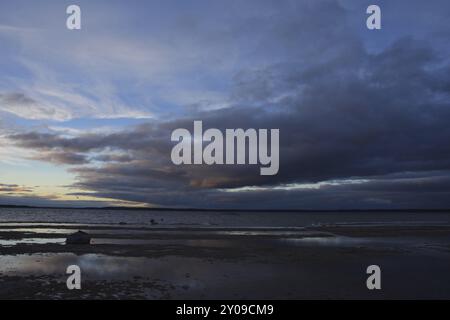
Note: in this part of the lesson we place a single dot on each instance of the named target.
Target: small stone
(78, 237)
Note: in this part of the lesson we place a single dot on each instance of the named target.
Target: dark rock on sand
(78, 237)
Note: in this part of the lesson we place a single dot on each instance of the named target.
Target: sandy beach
(160, 262)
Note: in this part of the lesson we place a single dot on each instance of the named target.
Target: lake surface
(221, 219)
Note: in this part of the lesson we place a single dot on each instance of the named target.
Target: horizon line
(5, 206)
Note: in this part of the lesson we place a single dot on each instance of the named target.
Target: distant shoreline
(222, 210)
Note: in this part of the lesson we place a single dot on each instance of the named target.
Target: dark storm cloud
(61, 158)
(343, 113)
(113, 158)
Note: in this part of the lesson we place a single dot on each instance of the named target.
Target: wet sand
(320, 262)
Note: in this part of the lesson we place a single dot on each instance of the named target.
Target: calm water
(220, 219)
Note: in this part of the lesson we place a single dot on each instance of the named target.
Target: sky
(86, 115)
